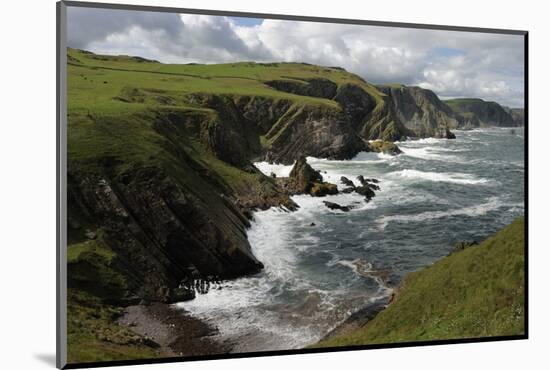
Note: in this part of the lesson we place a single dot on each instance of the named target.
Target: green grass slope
(107, 76)
(477, 292)
(113, 102)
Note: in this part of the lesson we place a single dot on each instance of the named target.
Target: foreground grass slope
(477, 292)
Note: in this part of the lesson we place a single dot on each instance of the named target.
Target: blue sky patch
(247, 22)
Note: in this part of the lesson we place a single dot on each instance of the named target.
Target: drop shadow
(46, 358)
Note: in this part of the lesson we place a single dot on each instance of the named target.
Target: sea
(323, 265)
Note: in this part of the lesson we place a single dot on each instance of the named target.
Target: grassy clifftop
(477, 292)
(88, 71)
(274, 99)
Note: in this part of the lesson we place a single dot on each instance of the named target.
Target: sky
(451, 63)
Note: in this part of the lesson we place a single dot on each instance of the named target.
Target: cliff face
(281, 130)
(311, 131)
(478, 112)
(421, 111)
(371, 115)
(358, 113)
(518, 115)
(181, 214)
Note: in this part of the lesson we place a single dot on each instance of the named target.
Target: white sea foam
(280, 170)
(331, 170)
(455, 178)
(429, 140)
(240, 310)
(360, 159)
(492, 204)
(365, 269)
(371, 156)
(429, 153)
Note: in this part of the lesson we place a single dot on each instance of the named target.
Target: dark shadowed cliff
(481, 113)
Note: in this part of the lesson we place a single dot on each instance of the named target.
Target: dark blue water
(437, 193)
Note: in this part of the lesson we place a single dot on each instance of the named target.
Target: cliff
(421, 111)
(481, 113)
(518, 115)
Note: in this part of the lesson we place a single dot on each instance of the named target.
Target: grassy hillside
(90, 72)
(477, 292)
(114, 101)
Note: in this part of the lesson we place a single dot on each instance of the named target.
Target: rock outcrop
(303, 179)
(367, 188)
(317, 131)
(336, 206)
(159, 229)
(386, 147)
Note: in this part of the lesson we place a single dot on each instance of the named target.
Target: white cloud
(452, 64)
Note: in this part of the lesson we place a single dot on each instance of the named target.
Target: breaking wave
(455, 178)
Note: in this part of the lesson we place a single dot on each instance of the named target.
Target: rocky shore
(173, 331)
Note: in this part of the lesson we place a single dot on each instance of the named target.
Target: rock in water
(386, 147)
(320, 189)
(302, 176)
(367, 187)
(366, 191)
(449, 134)
(347, 181)
(332, 205)
(303, 179)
